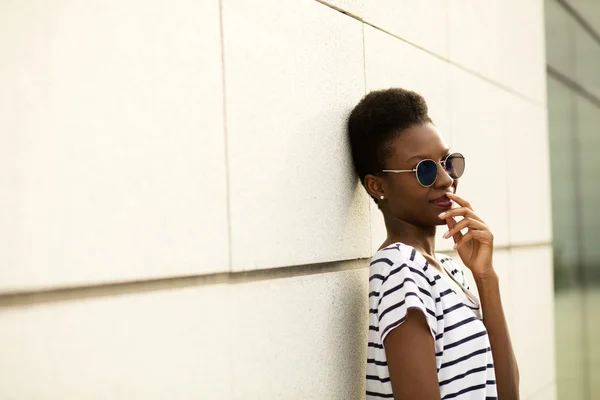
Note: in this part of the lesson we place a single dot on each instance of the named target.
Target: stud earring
(381, 197)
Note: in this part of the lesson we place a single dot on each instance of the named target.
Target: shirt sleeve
(405, 287)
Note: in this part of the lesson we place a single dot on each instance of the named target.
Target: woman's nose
(443, 178)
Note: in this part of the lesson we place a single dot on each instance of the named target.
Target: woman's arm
(505, 363)
(410, 353)
(475, 248)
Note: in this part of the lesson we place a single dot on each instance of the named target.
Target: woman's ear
(375, 186)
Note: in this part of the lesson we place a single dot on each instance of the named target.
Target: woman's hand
(475, 247)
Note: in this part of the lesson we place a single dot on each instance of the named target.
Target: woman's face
(405, 197)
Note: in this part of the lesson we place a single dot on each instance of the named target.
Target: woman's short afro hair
(378, 119)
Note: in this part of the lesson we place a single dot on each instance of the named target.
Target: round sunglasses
(426, 170)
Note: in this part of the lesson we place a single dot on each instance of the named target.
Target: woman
(429, 336)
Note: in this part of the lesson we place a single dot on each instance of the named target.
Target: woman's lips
(442, 202)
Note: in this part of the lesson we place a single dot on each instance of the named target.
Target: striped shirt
(401, 279)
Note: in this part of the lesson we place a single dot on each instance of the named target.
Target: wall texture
(178, 213)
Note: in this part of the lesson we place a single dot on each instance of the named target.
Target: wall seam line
(573, 12)
(447, 60)
(231, 277)
(25, 298)
(369, 200)
(573, 85)
(226, 141)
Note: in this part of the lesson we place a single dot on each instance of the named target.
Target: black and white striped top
(401, 279)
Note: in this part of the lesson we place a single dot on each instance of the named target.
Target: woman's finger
(451, 222)
(463, 224)
(462, 202)
(460, 212)
(475, 234)
(466, 237)
(456, 228)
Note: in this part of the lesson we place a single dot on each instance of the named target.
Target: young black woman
(430, 338)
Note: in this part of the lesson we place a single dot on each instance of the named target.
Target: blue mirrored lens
(427, 172)
(455, 165)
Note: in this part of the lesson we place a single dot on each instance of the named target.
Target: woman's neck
(421, 238)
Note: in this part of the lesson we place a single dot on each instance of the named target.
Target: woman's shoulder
(400, 257)
(398, 253)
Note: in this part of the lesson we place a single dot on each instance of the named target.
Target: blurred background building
(179, 217)
(573, 65)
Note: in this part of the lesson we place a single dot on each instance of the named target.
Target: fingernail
(455, 246)
(447, 235)
(442, 215)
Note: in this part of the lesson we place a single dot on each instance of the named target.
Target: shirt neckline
(466, 293)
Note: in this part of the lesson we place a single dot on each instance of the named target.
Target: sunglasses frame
(441, 163)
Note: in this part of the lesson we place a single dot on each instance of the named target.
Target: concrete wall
(178, 213)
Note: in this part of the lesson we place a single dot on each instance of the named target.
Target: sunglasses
(427, 170)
